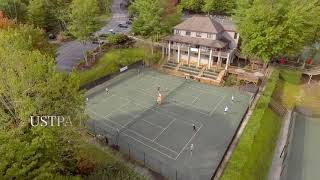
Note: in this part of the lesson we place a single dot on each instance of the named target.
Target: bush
(291, 76)
(105, 164)
(116, 39)
(253, 155)
(230, 80)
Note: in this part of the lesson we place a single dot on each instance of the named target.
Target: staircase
(170, 65)
(192, 70)
(209, 73)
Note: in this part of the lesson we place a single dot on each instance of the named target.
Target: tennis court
(160, 136)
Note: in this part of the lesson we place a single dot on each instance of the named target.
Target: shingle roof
(226, 22)
(201, 24)
(198, 41)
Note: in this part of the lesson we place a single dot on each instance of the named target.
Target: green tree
(83, 20)
(61, 12)
(30, 85)
(192, 5)
(41, 14)
(219, 7)
(15, 9)
(153, 18)
(273, 28)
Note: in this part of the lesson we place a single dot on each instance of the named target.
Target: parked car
(122, 25)
(111, 31)
(129, 22)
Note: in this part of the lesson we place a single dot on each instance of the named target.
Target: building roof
(197, 41)
(201, 24)
(226, 22)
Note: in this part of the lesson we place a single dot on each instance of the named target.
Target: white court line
(118, 108)
(214, 109)
(152, 123)
(106, 98)
(140, 135)
(170, 116)
(150, 147)
(178, 154)
(206, 91)
(99, 100)
(188, 142)
(136, 139)
(164, 129)
(180, 102)
(195, 100)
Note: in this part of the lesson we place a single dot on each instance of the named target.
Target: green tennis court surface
(303, 160)
(160, 136)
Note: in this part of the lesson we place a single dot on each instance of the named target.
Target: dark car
(129, 22)
(123, 25)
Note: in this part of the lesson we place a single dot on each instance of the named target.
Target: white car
(111, 31)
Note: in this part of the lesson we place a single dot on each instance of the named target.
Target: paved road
(70, 53)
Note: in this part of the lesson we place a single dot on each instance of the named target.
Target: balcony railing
(204, 51)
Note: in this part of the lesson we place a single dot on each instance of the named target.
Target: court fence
(111, 76)
(119, 142)
(286, 148)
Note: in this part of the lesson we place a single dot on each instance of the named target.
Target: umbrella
(258, 74)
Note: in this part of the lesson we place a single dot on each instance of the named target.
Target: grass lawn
(111, 62)
(288, 89)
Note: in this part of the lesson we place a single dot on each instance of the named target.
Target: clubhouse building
(202, 41)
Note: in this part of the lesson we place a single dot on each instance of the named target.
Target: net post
(144, 158)
(129, 151)
(176, 174)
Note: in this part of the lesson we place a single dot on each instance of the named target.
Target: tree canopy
(30, 85)
(209, 6)
(273, 28)
(15, 9)
(154, 18)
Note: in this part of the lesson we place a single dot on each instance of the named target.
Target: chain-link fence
(138, 154)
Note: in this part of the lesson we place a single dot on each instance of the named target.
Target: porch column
(210, 59)
(310, 78)
(169, 51)
(228, 61)
(188, 55)
(199, 56)
(178, 57)
(163, 51)
(219, 59)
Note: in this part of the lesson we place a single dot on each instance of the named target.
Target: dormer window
(198, 34)
(177, 32)
(210, 36)
(188, 33)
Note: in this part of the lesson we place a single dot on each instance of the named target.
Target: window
(235, 35)
(178, 32)
(210, 36)
(188, 33)
(198, 34)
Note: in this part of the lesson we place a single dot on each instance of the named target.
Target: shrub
(231, 80)
(117, 39)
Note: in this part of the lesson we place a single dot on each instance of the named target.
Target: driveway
(70, 53)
